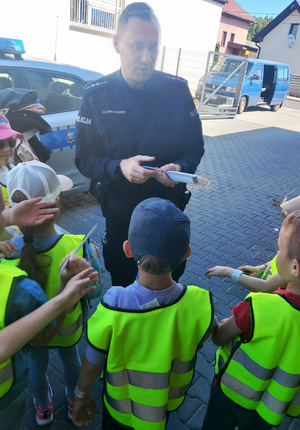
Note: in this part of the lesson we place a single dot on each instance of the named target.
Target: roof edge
(259, 37)
(253, 20)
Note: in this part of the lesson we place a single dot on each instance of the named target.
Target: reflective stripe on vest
(150, 380)
(70, 332)
(263, 373)
(144, 380)
(8, 276)
(272, 270)
(70, 329)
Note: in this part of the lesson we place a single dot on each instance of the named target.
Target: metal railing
(294, 89)
(96, 15)
(218, 98)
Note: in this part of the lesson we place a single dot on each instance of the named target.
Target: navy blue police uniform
(116, 122)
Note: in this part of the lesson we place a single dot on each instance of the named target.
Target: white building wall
(275, 48)
(43, 25)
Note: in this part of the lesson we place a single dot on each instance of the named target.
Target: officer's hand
(133, 171)
(163, 178)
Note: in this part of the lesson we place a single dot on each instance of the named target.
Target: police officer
(133, 117)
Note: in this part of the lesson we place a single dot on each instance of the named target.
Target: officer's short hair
(138, 9)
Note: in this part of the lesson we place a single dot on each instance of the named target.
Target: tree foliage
(255, 28)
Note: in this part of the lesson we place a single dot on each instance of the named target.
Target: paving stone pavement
(234, 221)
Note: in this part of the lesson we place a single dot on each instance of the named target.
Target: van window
(57, 92)
(256, 72)
(283, 74)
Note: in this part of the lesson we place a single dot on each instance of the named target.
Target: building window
(232, 37)
(95, 15)
(294, 29)
(224, 35)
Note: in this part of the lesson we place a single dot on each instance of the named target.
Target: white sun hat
(36, 179)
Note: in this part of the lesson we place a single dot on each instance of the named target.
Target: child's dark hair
(293, 221)
(154, 265)
(33, 266)
(138, 9)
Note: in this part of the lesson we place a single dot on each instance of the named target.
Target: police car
(60, 89)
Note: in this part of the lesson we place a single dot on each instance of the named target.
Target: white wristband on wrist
(80, 394)
(236, 274)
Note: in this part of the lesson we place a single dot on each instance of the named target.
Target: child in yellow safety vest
(257, 366)
(25, 311)
(40, 251)
(150, 331)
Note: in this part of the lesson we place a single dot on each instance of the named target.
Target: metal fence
(294, 88)
(190, 65)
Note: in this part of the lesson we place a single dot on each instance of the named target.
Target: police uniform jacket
(116, 122)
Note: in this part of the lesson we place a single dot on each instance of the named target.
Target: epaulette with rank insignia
(97, 85)
(174, 79)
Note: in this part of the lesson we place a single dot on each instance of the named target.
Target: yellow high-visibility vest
(8, 276)
(263, 373)
(5, 196)
(272, 270)
(70, 332)
(151, 356)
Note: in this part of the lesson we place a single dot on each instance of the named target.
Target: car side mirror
(255, 78)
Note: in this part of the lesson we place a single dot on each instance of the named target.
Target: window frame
(294, 29)
(67, 101)
(88, 15)
(224, 37)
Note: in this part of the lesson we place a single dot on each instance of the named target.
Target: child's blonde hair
(154, 265)
(293, 222)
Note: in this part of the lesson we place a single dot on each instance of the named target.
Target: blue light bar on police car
(11, 46)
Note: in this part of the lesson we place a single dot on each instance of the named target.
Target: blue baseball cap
(159, 228)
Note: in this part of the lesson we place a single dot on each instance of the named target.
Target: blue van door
(282, 86)
(253, 85)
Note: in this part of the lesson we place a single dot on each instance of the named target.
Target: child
(19, 297)
(264, 271)
(20, 332)
(150, 331)
(257, 367)
(8, 140)
(41, 250)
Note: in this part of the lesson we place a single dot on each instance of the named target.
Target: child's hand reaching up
(74, 266)
(7, 247)
(77, 285)
(30, 212)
